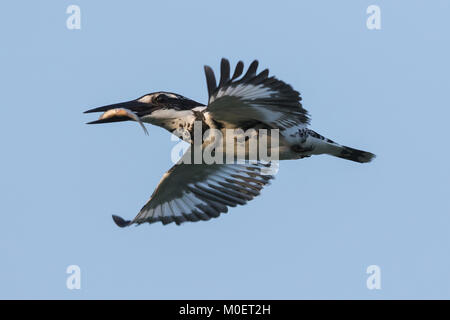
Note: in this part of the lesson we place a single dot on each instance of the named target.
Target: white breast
(170, 119)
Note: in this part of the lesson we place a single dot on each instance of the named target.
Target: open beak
(125, 111)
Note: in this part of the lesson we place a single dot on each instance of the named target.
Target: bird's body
(255, 108)
(295, 142)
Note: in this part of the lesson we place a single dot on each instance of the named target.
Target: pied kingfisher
(193, 192)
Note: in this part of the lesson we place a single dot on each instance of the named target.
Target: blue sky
(311, 234)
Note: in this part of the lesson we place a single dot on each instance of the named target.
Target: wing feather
(189, 192)
(238, 70)
(210, 80)
(254, 97)
(224, 72)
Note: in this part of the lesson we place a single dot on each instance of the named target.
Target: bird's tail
(330, 147)
(354, 154)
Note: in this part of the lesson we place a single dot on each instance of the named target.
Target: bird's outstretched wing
(193, 192)
(254, 97)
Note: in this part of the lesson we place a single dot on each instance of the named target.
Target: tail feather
(323, 145)
(355, 155)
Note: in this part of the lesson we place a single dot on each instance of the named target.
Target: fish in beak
(121, 112)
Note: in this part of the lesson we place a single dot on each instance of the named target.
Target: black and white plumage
(193, 192)
(189, 192)
(255, 97)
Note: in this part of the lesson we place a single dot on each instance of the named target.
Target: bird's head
(148, 108)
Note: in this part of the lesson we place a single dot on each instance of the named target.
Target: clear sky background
(311, 234)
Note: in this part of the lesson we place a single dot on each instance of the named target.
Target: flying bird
(255, 100)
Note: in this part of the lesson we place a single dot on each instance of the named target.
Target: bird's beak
(124, 111)
(133, 106)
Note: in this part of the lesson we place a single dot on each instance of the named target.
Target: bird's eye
(161, 98)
